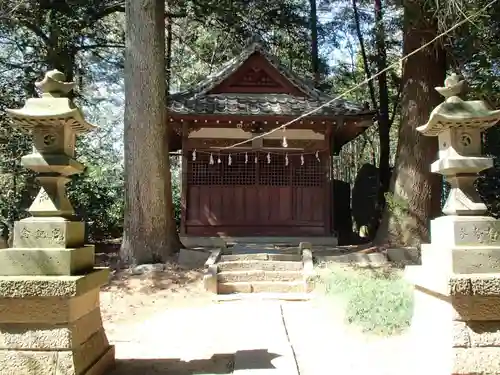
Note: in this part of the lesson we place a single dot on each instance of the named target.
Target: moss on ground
(377, 300)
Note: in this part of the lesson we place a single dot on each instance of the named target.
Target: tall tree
(415, 191)
(148, 235)
(314, 42)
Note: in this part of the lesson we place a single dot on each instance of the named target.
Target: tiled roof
(261, 104)
(196, 100)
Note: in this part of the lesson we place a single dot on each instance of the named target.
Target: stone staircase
(259, 272)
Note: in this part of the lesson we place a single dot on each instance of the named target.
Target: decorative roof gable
(232, 66)
(255, 83)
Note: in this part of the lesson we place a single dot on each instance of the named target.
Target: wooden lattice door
(256, 194)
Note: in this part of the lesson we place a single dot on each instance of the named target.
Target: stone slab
(49, 262)
(192, 258)
(195, 241)
(477, 334)
(476, 361)
(104, 364)
(48, 310)
(49, 232)
(261, 256)
(358, 259)
(462, 259)
(213, 258)
(258, 275)
(262, 297)
(451, 166)
(24, 336)
(67, 362)
(52, 286)
(262, 287)
(404, 255)
(445, 346)
(264, 265)
(465, 231)
(210, 279)
(487, 284)
(476, 307)
(52, 163)
(469, 297)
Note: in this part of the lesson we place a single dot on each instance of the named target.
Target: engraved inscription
(483, 235)
(49, 139)
(43, 196)
(465, 140)
(463, 233)
(25, 233)
(55, 236)
(493, 234)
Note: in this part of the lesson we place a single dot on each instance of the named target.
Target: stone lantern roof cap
(456, 112)
(53, 108)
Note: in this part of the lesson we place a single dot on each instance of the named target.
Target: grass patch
(378, 300)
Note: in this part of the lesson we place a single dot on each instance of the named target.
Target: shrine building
(276, 185)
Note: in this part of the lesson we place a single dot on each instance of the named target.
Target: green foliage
(396, 205)
(98, 193)
(86, 40)
(176, 188)
(378, 301)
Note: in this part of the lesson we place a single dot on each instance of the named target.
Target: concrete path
(246, 337)
(231, 338)
(322, 342)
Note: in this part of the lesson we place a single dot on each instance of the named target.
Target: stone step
(233, 297)
(264, 265)
(258, 275)
(261, 256)
(262, 287)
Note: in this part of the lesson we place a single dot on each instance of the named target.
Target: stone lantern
(49, 288)
(456, 320)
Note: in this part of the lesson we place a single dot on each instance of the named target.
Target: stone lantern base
(52, 325)
(456, 322)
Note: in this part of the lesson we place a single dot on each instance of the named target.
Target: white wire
(466, 19)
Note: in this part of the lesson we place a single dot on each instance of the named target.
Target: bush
(378, 301)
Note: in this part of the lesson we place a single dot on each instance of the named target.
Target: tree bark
(384, 124)
(415, 191)
(314, 42)
(148, 233)
(366, 63)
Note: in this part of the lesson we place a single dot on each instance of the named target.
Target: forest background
(334, 43)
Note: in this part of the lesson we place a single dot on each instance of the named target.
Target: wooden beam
(184, 178)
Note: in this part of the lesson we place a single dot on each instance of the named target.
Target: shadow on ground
(258, 359)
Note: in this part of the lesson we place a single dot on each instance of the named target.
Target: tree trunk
(384, 125)
(415, 191)
(366, 63)
(148, 233)
(174, 240)
(314, 42)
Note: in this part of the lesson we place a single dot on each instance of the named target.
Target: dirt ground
(129, 299)
(134, 308)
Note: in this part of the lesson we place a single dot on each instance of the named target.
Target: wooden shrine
(277, 185)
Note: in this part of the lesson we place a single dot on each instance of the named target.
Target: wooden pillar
(331, 144)
(328, 214)
(184, 178)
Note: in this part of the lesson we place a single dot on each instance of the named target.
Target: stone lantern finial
(53, 84)
(454, 85)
